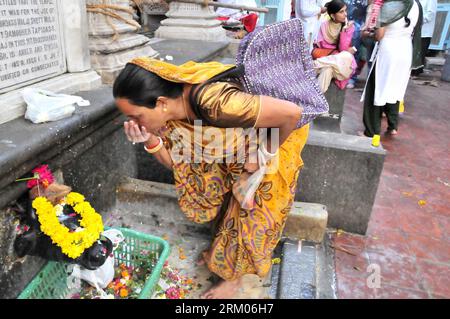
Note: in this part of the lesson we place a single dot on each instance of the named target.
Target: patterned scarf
(332, 30)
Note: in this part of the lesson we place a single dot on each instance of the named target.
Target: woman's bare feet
(223, 290)
(391, 132)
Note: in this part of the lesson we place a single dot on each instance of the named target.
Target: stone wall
(89, 148)
(91, 151)
(44, 45)
(341, 172)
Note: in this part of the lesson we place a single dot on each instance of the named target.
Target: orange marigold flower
(123, 293)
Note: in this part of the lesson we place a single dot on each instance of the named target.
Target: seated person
(333, 53)
(233, 16)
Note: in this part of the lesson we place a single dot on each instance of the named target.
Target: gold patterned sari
(245, 238)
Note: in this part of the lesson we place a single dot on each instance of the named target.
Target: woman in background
(389, 75)
(333, 53)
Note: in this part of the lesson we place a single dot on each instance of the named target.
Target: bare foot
(391, 132)
(223, 290)
(202, 258)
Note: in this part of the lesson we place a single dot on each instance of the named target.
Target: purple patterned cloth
(277, 63)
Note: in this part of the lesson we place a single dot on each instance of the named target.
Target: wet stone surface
(155, 213)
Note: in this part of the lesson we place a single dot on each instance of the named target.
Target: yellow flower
(123, 292)
(74, 198)
(421, 202)
(72, 244)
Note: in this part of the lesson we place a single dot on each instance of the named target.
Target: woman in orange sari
(162, 101)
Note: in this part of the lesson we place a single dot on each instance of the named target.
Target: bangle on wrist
(153, 145)
(155, 148)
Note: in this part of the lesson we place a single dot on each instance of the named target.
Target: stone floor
(409, 230)
(150, 212)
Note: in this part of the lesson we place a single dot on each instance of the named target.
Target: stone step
(434, 62)
(297, 278)
(153, 208)
(156, 205)
(306, 221)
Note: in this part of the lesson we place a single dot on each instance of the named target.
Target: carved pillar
(114, 42)
(191, 21)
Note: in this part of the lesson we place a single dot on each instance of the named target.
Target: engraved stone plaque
(31, 42)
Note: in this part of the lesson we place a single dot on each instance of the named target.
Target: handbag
(278, 63)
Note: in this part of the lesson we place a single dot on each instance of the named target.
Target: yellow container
(401, 107)
(376, 140)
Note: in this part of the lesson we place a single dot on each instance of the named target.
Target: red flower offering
(43, 176)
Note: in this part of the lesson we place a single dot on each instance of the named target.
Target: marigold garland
(72, 244)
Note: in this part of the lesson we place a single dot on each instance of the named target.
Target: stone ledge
(24, 144)
(13, 105)
(342, 172)
(434, 62)
(306, 221)
(344, 141)
(139, 187)
(183, 50)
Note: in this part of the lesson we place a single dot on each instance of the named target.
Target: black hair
(334, 6)
(143, 87)
(407, 21)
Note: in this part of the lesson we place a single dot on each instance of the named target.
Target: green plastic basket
(51, 281)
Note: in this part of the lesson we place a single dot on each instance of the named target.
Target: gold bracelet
(156, 148)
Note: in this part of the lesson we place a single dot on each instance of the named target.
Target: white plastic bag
(102, 276)
(99, 278)
(245, 188)
(46, 106)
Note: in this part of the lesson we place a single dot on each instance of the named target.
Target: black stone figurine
(35, 243)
